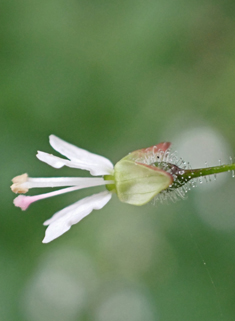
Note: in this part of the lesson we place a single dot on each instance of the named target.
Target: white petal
(62, 221)
(52, 160)
(58, 162)
(96, 164)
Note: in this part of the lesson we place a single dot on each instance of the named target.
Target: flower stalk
(183, 176)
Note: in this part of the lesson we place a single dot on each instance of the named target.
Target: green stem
(189, 174)
(193, 173)
(182, 176)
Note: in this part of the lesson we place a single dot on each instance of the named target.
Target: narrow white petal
(52, 160)
(78, 206)
(58, 162)
(96, 164)
(62, 221)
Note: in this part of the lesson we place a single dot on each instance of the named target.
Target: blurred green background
(112, 77)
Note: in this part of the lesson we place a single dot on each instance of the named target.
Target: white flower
(62, 221)
(136, 179)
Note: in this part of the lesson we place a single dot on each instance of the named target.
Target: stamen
(64, 181)
(18, 184)
(23, 201)
(23, 183)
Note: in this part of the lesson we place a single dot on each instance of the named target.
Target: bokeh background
(112, 77)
